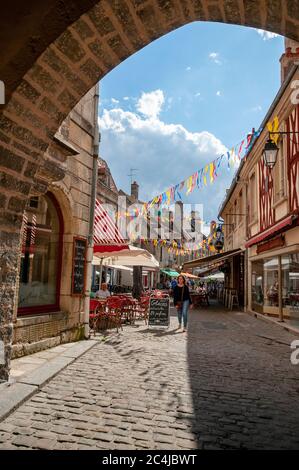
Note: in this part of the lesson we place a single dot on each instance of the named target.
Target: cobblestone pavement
(228, 383)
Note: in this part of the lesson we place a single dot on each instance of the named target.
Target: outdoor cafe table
(199, 298)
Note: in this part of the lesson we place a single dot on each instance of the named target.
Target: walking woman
(182, 301)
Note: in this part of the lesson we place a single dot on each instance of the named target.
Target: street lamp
(219, 239)
(271, 150)
(270, 154)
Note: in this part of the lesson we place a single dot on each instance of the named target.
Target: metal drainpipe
(94, 180)
(247, 278)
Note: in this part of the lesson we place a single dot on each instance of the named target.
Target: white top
(103, 293)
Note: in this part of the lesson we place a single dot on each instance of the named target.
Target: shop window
(265, 287)
(257, 286)
(271, 286)
(41, 257)
(290, 282)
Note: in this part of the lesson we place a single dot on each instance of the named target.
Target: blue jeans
(183, 313)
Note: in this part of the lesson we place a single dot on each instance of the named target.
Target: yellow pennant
(274, 127)
(206, 170)
(189, 184)
(211, 172)
(168, 196)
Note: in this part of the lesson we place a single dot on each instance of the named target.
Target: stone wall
(73, 194)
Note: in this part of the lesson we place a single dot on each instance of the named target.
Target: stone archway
(51, 59)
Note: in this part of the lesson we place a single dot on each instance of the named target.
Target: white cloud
(188, 69)
(214, 56)
(197, 95)
(266, 35)
(114, 101)
(256, 109)
(165, 153)
(218, 93)
(126, 98)
(150, 104)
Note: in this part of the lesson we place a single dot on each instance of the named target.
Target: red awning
(106, 232)
(271, 231)
(110, 248)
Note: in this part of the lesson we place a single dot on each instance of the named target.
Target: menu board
(79, 266)
(159, 311)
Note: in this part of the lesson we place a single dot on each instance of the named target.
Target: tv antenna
(132, 171)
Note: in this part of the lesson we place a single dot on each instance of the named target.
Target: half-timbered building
(261, 210)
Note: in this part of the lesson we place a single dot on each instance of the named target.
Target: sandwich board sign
(159, 311)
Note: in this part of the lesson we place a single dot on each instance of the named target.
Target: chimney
(290, 56)
(135, 190)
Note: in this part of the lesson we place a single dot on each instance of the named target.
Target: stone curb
(283, 325)
(13, 395)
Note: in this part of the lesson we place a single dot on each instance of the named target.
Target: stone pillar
(9, 253)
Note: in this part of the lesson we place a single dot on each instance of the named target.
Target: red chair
(142, 308)
(114, 311)
(96, 313)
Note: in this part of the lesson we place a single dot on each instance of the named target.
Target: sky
(183, 100)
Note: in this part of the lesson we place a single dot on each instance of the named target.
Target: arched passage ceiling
(28, 28)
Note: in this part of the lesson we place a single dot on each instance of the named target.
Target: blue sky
(184, 99)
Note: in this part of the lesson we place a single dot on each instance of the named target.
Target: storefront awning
(272, 231)
(213, 259)
(106, 232)
(109, 250)
(169, 272)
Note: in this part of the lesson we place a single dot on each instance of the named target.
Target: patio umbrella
(189, 275)
(130, 256)
(143, 258)
(106, 254)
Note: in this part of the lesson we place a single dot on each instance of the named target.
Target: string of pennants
(199, 180)
(177, 247)
(208, 173)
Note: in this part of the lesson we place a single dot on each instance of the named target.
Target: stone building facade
(49, 312)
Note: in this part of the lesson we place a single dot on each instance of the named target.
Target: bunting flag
(210, 171)
(240, 150)
(274, 127)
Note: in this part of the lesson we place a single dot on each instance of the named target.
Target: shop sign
(159, 311)
(276, 242)
(79, 266)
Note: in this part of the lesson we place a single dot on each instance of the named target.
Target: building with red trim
(261, 208)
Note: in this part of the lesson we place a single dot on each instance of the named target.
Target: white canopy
(215, 277)
(134, 257)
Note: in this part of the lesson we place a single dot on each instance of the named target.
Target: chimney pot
(135, 190)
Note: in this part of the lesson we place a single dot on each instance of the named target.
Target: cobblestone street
(228, 383)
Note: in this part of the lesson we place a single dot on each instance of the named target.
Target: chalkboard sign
(79, 263)
(159, 311)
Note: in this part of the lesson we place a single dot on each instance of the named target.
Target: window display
(40, 261)
(265, 284)
(290, 285)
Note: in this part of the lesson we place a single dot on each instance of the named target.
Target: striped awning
(106, 231)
